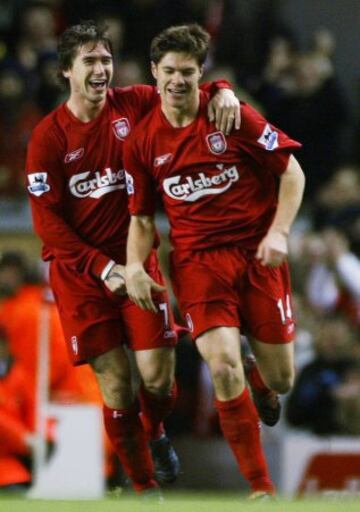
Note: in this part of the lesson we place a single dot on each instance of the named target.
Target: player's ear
(154, 69)
(202, 68)
(66, 73)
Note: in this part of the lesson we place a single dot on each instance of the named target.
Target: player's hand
(140, 285)
(273, 249)
(115, 280)
(224, 110)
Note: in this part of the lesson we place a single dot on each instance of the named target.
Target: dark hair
(76, 36)
(191, 39)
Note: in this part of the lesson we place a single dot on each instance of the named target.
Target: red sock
(240, 425)
(127, 435)
(154, 409)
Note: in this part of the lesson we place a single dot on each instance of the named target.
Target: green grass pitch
(185, 502)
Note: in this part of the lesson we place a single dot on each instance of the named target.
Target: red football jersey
(76, 179)
(216, 190)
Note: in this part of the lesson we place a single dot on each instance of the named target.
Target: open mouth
(98, 85)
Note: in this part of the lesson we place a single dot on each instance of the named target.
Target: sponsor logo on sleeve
(37, 183)
(269, 138)
(129, 183)
(74, 155)
(121, 128)
(216, 142)
(191, 188)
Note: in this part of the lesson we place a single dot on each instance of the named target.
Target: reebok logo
(190, 189)
(74, 155)
(100, 184)
(163, 159)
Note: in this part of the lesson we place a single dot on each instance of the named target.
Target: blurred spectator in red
(18, 116)
(23, 300)
(23, 295)
(17, 421)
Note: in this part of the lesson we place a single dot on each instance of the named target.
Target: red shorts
(94, 320)
(229, 287)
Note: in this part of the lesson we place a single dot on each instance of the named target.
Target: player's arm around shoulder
(224, 110)
(273, 248)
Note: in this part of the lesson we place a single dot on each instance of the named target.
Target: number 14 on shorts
(285, 309)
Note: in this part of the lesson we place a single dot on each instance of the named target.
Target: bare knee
(157, 370)
(116, 390)
(114, 380)
(158, 379)
(227, 378)
(281, 382)
(159, 385)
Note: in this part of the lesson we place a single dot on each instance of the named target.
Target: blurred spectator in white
(323, 43)
(333, 279)
(313, 403)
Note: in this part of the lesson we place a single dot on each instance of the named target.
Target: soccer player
(231, 201)
(76, 184)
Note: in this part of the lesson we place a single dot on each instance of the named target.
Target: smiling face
(177, 75)
(90, 74)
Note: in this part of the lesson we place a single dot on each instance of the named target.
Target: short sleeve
(267, 144)
(140, 185)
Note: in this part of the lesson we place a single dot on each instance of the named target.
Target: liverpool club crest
(121, 128)
(216, 142)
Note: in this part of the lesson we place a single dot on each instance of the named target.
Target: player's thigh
(266, 305)
(276, 363)
(90, 316)
(220, 345)
(157, 367)
(204, 288)
(146, 330)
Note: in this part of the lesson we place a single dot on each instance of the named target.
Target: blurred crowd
(296, 88)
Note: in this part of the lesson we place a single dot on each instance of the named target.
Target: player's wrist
(283, 231)
(106, 270)
(134, 268)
